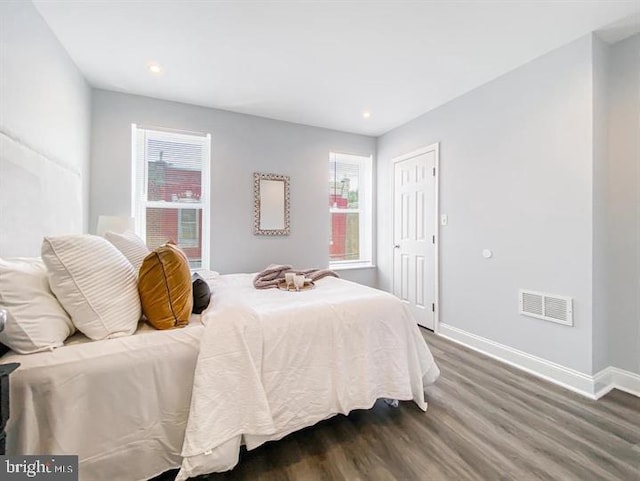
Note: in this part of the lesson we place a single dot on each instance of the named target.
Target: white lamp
(112, 223)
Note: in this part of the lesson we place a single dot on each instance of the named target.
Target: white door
(414, 207)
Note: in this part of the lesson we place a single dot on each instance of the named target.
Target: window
(170, 198)
(350, 208)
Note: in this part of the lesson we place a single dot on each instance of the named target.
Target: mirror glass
(271, 204)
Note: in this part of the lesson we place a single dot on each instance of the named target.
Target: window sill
(353, 265)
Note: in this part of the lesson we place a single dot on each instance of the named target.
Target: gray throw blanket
(272, 275)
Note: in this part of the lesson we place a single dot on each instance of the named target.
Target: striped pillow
(131, 246)
(95, 284)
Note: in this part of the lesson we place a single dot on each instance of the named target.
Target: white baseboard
(592, 387)
(614, 378)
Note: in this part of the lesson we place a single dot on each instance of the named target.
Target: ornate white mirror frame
(271, 204)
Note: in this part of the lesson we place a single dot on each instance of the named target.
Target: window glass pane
(344, 178)
(188, 228)
(181, 226)
(174, 170)
(345, 237)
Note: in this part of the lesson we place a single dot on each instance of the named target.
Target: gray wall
(241, 144)
(516, 177)
(601, 328)
(44, 134)
(622, 276)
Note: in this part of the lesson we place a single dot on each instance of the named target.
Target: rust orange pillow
(164, 283)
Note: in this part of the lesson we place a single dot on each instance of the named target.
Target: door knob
(396, 246)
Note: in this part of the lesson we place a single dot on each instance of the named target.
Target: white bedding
(120, 404)
(272, 362)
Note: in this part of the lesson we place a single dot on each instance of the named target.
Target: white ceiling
(319, 63)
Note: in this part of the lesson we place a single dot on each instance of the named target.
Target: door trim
(414, 153)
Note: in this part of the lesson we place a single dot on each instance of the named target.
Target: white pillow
(95, 283)
(131, 246)
(36, 320)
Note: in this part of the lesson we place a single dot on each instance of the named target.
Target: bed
(257, 365)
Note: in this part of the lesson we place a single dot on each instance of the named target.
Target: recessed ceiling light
(366, 114)
(154, 68)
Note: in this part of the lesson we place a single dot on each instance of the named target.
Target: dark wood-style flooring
(486, 421)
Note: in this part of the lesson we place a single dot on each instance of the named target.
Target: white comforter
(272, 362)
(120, 404)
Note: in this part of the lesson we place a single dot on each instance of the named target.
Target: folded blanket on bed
(273, 274)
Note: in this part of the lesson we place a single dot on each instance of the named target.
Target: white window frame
(139, 185)
(364, 210)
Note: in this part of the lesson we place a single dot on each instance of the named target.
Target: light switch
(444, 219)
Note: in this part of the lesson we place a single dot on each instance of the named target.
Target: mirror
(270, 204)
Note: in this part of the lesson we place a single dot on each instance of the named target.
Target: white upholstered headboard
(38, 196)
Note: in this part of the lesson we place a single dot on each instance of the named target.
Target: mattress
(120, 404)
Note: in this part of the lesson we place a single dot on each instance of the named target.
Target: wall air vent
(549, 307)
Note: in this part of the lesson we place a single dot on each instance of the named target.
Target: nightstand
(5, 372)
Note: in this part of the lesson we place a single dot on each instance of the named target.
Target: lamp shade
(111, 223)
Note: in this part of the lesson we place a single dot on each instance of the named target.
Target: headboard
(38, 196)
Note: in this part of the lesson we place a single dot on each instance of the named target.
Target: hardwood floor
(486, 421)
